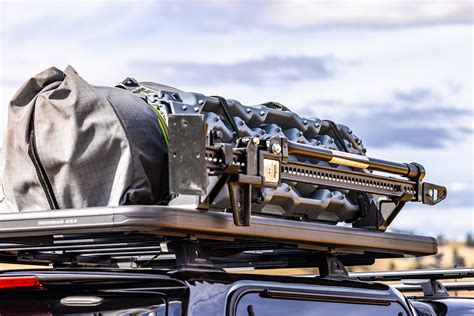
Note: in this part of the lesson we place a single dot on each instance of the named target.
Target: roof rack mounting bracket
(330, 266)
(429, 287)
(189, 255)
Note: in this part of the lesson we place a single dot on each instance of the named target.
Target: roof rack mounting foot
(189, 255)
(429, 287)
(330, 266)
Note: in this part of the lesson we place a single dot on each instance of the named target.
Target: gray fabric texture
(97, 146)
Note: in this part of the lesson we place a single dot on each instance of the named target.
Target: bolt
(196, 108)
(276, 149)
(300, 134)
(201, 102)
(255, 141)
(245, 140)
(349, 131)
(175, 96)
(218, 134)
(184, 107)
(262, 113)
(358, 141)
(317, 124)
(329, 195)
(305, 122)
(248, 110)
(341, 196)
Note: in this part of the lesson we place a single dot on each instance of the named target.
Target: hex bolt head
(276, 149)
(262, 113)
(349, 131)
(359, 141)
(317, 124)
(305, 122)
(196, 108)
(184, 107)
(201, 102)
(255, 141)
(248, 110)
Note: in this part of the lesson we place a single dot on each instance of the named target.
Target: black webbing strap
(225, 109)
(337, 135)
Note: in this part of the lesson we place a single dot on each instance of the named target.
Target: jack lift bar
(265, 162)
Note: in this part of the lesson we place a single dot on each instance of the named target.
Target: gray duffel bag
(69, 144)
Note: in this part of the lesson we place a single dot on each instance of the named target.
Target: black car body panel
(69, 291)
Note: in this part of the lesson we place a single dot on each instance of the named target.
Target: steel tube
(347, 159)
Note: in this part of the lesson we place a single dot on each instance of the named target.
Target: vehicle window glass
(254, 304)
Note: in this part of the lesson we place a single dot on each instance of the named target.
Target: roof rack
(165, 237)
(424, 280)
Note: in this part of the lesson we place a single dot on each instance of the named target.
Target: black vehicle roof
(182, 276)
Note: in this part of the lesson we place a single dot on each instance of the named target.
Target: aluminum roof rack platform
(149, 235)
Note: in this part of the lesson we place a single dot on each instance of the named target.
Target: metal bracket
(187, 154)
(330, 266)
(189, 254)
(429, 287)
(433, 194)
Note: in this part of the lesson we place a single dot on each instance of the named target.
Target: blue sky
(400, 73)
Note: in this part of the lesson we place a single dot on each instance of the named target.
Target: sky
(399, 73)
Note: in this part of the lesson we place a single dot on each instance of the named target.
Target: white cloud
(299, 14)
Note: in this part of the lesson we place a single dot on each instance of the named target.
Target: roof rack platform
(106, 235)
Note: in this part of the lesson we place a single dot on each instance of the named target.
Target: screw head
(305, 122)
(201, 102)
(255, 141)
(248, 110)
(184, 107)
(196, 109)
(276, 148)
(317, 124)
(262, 113)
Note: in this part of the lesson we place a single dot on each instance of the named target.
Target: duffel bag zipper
(40, 171)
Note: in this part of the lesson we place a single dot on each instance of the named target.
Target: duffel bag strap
(151, 97)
